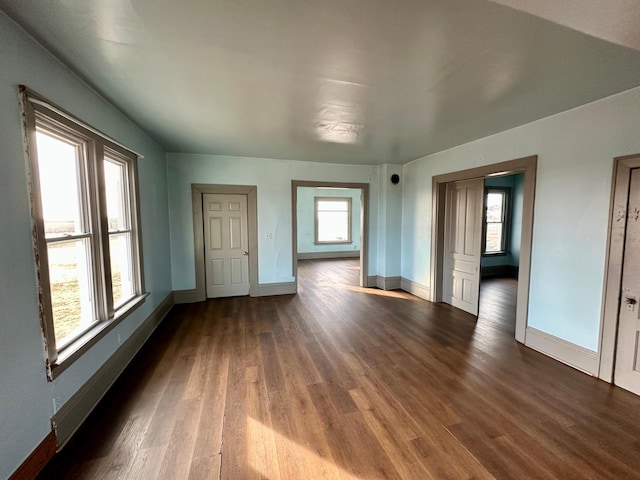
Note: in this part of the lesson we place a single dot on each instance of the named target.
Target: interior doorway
(501, 234)
(329, 202)
(439, 268)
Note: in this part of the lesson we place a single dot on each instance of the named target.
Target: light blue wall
(306, 219)
(575, 157)
(273, 181)
(390, 222)
(26, 398)
(516, 184)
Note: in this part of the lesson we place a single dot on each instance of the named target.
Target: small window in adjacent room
(333, 220)
(86, 230)
(496, 206)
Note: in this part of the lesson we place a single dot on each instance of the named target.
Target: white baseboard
(388, 283)
(74, 412)
(415, 288)
(320, 255)
(573, 355)
(185, 296)
(269, 289)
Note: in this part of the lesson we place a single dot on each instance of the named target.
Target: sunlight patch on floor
(297, 461)
(382, 293)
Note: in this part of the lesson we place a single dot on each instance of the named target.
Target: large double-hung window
(86, 230)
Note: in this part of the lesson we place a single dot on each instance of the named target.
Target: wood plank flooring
(340, 382)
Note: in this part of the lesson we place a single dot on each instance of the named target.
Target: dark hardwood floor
(340, 382)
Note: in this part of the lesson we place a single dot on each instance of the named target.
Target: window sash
(96, 148)
(331, 206)
(504, 194)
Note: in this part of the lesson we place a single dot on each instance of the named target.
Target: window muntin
(87, 238)
(496, 204)
(333, 220)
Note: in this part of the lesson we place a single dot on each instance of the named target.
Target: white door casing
(627, 365)
(226, 245)
(463, 239)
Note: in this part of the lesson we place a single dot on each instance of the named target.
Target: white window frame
(39, 114)
(504, 241)
(316, 200)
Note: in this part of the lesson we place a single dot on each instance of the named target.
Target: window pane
(333, 226)
(333, 205)
(59, 186)
(494, 206)
(69, 276)
(116, 194)
(494, 237)
(121, 268)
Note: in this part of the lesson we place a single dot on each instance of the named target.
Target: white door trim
(526, 165)
(613, 267)
(364, 223)
(197, 190)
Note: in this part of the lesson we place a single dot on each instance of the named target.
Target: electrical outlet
(268, 236)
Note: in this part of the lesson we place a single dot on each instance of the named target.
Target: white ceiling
(345, 81)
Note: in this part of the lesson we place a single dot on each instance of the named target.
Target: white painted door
(226, 245)
(627, 371)
(463, 235)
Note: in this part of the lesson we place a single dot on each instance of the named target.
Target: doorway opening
(330, 224)
(443, 261)
(501, 231)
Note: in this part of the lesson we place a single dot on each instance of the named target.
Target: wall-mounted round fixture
(395, 179)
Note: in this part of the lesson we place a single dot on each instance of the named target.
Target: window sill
(82, 344)
(345, 242)
(495, 254)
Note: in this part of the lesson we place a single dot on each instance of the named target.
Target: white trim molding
(415, 288)
(74, 412)
(573, 355)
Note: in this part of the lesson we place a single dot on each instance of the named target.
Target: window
(86, 224)
(496, 205)
(333, 220)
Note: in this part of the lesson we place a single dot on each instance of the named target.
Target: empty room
(354, 240)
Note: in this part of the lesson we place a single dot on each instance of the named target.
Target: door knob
(245, 253)
(630, 300)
